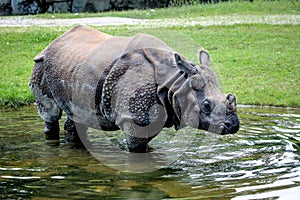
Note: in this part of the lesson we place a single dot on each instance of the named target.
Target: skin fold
(137, 84)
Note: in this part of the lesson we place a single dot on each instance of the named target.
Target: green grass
(259, 63)
(18, 46)
(258, 7)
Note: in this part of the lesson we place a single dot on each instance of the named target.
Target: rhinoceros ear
(204, 58)
(184, 65)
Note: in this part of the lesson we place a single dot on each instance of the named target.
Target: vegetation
(18, 46)
(258, 7)
(258, 62)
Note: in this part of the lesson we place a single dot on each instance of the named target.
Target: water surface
(261, 161)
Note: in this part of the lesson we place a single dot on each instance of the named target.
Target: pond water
(261, 161)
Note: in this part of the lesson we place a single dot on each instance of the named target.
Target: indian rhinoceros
(137, 84)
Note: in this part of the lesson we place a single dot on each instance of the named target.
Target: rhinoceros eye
(206, 106)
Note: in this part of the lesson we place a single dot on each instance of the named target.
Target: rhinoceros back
(72, 65)
(77, 63)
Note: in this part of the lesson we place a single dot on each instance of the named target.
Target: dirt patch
(117, 21)
(232, 19)
(100, 21)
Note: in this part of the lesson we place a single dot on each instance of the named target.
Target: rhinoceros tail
(47, 107)
(38, 70)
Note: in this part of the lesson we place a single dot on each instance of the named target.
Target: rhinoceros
(137, 84)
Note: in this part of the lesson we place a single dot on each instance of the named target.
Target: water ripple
(261, 161)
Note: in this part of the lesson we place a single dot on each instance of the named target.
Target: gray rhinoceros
(137, 84)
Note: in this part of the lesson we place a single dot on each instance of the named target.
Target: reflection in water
(261, 161)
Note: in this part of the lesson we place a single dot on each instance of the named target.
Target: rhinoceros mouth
(225, 130)
(218, 128)
(230, 129)
(229, 126)
(222, 129)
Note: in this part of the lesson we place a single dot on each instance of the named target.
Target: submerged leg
(73, 130)
(47, 106)
(51, 131)
(51, 128)
(138, 137)
(50, 113)
(137, 145)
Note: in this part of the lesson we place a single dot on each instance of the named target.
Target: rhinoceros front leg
(138, 137)
(51, 131)
(136, 144)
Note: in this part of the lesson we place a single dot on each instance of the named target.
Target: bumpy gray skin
(136, 84)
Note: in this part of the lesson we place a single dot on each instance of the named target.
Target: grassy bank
(257, 7)
(18, 46)
(259, 63)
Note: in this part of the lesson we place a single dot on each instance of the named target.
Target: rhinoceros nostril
(230, 128)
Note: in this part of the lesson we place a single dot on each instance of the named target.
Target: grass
(18, 46)
(258, 7)
(259, 63)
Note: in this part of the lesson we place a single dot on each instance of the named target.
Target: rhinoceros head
(197, 101)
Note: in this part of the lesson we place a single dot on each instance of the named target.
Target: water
(262, 161)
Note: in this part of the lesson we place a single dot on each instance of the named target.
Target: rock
(139, 4)
(49, 2)
(100, 6)
(90, 7)
(5, 8)
(156, 4)
(60, 7)
(78, 5)
(50, 9)
(20, 7)
(126, 4)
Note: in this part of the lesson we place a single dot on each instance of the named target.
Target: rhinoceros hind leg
(73, 130)
(50, 113)
(51, 131)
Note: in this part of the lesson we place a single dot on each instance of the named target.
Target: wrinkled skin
(213, 111)
(136, 84)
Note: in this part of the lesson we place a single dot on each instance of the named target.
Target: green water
(261, 161)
